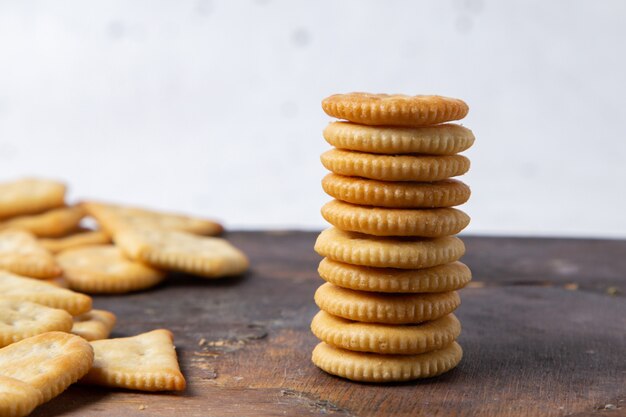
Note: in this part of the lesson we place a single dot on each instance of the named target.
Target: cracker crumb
(572, 286)
(202, 342)
(610, 407)
(612, 291)
(142, 407)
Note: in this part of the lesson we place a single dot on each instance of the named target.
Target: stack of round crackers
(391, 259)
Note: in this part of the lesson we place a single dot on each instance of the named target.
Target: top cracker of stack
(391, 260)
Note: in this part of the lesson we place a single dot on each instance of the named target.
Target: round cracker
(400, 194)
(395, 222)
(394, 109)
(394, 167)
(103, 269)
(445, 139)
(386, 338)
(373, 367)
(442, 278)
(386, 252)
(385, 308)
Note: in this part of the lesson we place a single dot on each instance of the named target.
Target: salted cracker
(388, 252)
(420, 168)
(30, 195)
(18, 288)
(22, 319)
(397, 194)
(103, 269)
(386, 338)
(210, 257)
(49, 362)
(444, 139)
(394, 109)
(385, 308)
(373, 367)
(53, 223)
(384, 221)
(94, 325)
(441, 278)
(22, 254)
(146, 362)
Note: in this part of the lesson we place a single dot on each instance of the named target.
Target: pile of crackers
(391, 260)
(50, 337)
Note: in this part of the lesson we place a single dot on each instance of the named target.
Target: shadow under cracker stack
(391, 261)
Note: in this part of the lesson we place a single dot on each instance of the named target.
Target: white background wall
(213, 107)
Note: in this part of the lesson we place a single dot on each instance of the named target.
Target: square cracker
(17, 398)
(113, 217)
(85, 238)
(30, 195)
(146, 362)
(22, 319)
(18, 288)
(209, 257)
(94, 325)
(49, 362)
(52, 223)
(22, 254)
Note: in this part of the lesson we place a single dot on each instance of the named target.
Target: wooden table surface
(544, 334)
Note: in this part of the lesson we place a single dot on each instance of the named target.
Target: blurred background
(213, 107)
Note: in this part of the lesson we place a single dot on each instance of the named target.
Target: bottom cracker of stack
(381, 321)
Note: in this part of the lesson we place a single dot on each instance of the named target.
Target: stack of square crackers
(50, 337)
(391, 260)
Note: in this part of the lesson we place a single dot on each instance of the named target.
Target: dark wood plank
(532, 347)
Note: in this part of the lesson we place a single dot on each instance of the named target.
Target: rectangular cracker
(49, 362)
(209, 257)
(30, 195)
(18, 288)
(113, 217)
(86, 238)
(146, 362)
(94, 325)
(22, 254)
(52, 223)
(22, 319)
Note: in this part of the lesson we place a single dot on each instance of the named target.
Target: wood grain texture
(532, 346)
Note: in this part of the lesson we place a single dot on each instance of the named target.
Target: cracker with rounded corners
(209, 257)
(22, 319)
(394, 109)
(76, 240)
(146, 362)
(22, 254)
(19, 288)
(113, 218)
(94, 325)
(17, 398)
(53, 223)
(29, 196)
(49, 362)
(103, 269)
